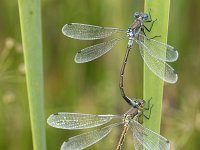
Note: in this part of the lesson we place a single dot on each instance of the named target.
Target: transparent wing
(95, 51)
(72, 121)
(147, 139)
(160, 68)
(137, 144)
(88, 32)
(87, 139)
(158, 49)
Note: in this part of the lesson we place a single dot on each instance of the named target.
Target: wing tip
(64, 28)
(63, 146)
(175, 79)
(78, 59)
(176, 76)
(177, 54)
(49, 119)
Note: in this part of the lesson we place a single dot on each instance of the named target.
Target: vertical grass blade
(153, 86)
(30, 20)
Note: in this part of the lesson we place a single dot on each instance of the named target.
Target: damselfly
(154, 53)
(143, 138)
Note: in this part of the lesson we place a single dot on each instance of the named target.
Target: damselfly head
(136, 15)
(141, 103)
(145, 16)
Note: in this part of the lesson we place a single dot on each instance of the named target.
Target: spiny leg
(148, 108)
(149, 114)
(150, 20)
(148, 104)
(142, 29)
(149, 29)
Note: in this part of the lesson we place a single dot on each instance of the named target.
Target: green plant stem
(153, 86)
(30, 20)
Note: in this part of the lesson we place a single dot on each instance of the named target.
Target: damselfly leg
(147, 109)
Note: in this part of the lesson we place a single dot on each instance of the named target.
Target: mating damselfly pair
(143, 138)
(155, 55)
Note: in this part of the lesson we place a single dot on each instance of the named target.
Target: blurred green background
(93, 87)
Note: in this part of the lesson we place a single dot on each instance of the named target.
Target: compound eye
(136, 15)
(145, 16)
